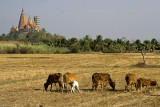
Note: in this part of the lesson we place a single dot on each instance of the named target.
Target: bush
(25, 50)
(75, 48)
(8, 50)
(62, 50)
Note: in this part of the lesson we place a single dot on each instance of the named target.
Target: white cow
(74, 85)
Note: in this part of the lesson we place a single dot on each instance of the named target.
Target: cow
(54, 78)
(102, 79)
(67, 78)
(74, 85)
(146, 83)
(130, 80)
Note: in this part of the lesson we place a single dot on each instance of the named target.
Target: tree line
(85, 44)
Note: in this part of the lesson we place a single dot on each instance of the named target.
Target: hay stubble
(22, 78)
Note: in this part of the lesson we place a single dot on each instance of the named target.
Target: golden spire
(29, 24)
(22, 21)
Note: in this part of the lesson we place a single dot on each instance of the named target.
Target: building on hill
(37, 21)
(31, 25)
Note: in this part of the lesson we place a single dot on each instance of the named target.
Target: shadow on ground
(142, 65)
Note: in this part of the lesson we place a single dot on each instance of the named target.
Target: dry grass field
(22, 77)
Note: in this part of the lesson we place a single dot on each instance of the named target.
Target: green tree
(154, 44)
(138, 44)
(86, 43)
(98, 44)
(147, 45)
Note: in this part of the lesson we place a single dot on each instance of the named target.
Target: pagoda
(22, 21)
(31, 25)
(12, 29)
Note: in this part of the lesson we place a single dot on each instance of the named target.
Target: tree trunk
(143, 54)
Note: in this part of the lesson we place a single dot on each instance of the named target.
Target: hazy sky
(133, 19)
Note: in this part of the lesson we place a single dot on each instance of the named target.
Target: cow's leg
(73, 89)
(66, 85)
(96, 87)
(125, 87)
(77, 87)
(101, 87)
(105, 85)
(128, 87)
(131, 86)
(141, 87)
(55, 86)
(147, 89)
(136, 86)
(93, 86)
(60, 86)
(51, 87)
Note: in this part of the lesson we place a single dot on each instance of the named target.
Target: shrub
(75, 48)
(25, 50)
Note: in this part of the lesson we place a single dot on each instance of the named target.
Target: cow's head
(45, 86)
(113, 84)
(154, 83)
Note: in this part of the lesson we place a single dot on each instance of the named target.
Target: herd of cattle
(101, 79)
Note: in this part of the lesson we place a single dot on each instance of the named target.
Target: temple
(27, 26)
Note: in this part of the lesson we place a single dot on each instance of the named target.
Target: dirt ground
(22, 77)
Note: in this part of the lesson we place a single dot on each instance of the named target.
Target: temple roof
(22, 21)
(30, 21)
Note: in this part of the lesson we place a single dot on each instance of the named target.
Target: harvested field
(23, 75)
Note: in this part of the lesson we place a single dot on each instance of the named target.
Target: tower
(13, 29)
(22, 21)
(37, 21)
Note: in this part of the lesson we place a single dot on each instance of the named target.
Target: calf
(54, 78)
(130, 80)
(146, 83)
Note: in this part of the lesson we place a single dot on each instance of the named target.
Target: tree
(154, 44)
(75, 47)
(138, 43)
(147, 45)
(143, 55)
(128, 45)
(98, 43)
(86, 43)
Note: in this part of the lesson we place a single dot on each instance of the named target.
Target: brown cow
(130, 80)
(101, 79)
(67, 78)
(146, 83)
(54, 78)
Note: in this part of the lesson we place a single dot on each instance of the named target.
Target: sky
(133, 19)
